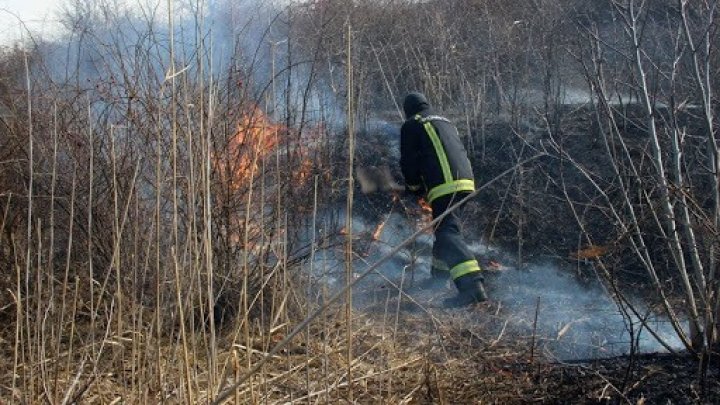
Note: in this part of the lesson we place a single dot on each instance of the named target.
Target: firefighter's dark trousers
(451, 255)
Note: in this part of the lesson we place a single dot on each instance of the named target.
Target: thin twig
(300, 327)
(534, 330)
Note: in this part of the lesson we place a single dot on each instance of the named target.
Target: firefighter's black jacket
(432, 156)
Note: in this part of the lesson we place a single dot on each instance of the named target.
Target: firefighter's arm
(409, 159)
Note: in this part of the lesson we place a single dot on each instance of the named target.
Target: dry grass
(153, 231)
(422, 366)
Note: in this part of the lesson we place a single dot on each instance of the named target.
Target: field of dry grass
(180, 221)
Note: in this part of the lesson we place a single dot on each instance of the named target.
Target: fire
(494, 265)
(304, 171)
(255, 138)
(239, 165)
(590, 252)
(378, 230)
(424, 213)
(424, 206)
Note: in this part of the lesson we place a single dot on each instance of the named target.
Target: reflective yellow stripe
(464, 268)
(450, 185)
(439, 151)
(451, 188)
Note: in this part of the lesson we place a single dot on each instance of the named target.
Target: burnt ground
(532, 216)
(473, 355)
(653, 378)
(548, 335)
(497, 352)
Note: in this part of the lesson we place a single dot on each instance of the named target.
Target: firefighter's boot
(470, 290)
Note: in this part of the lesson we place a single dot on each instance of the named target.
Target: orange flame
(255, 138)
(590, 252)
(304, 171)
(494, 265)
(378, 230)
(424, 206)
(424, 213)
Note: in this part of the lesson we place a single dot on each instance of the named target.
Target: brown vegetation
(169, 179)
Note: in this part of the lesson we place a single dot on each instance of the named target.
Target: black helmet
(414, 103)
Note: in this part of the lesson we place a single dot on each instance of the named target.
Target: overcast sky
(38, 15)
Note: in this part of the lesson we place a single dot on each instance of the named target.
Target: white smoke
(574, 320)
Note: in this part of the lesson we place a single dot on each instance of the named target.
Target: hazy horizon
(17, 17)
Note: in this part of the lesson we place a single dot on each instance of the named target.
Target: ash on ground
(565, 319)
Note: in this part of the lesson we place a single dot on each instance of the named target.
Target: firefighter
(435, 165)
